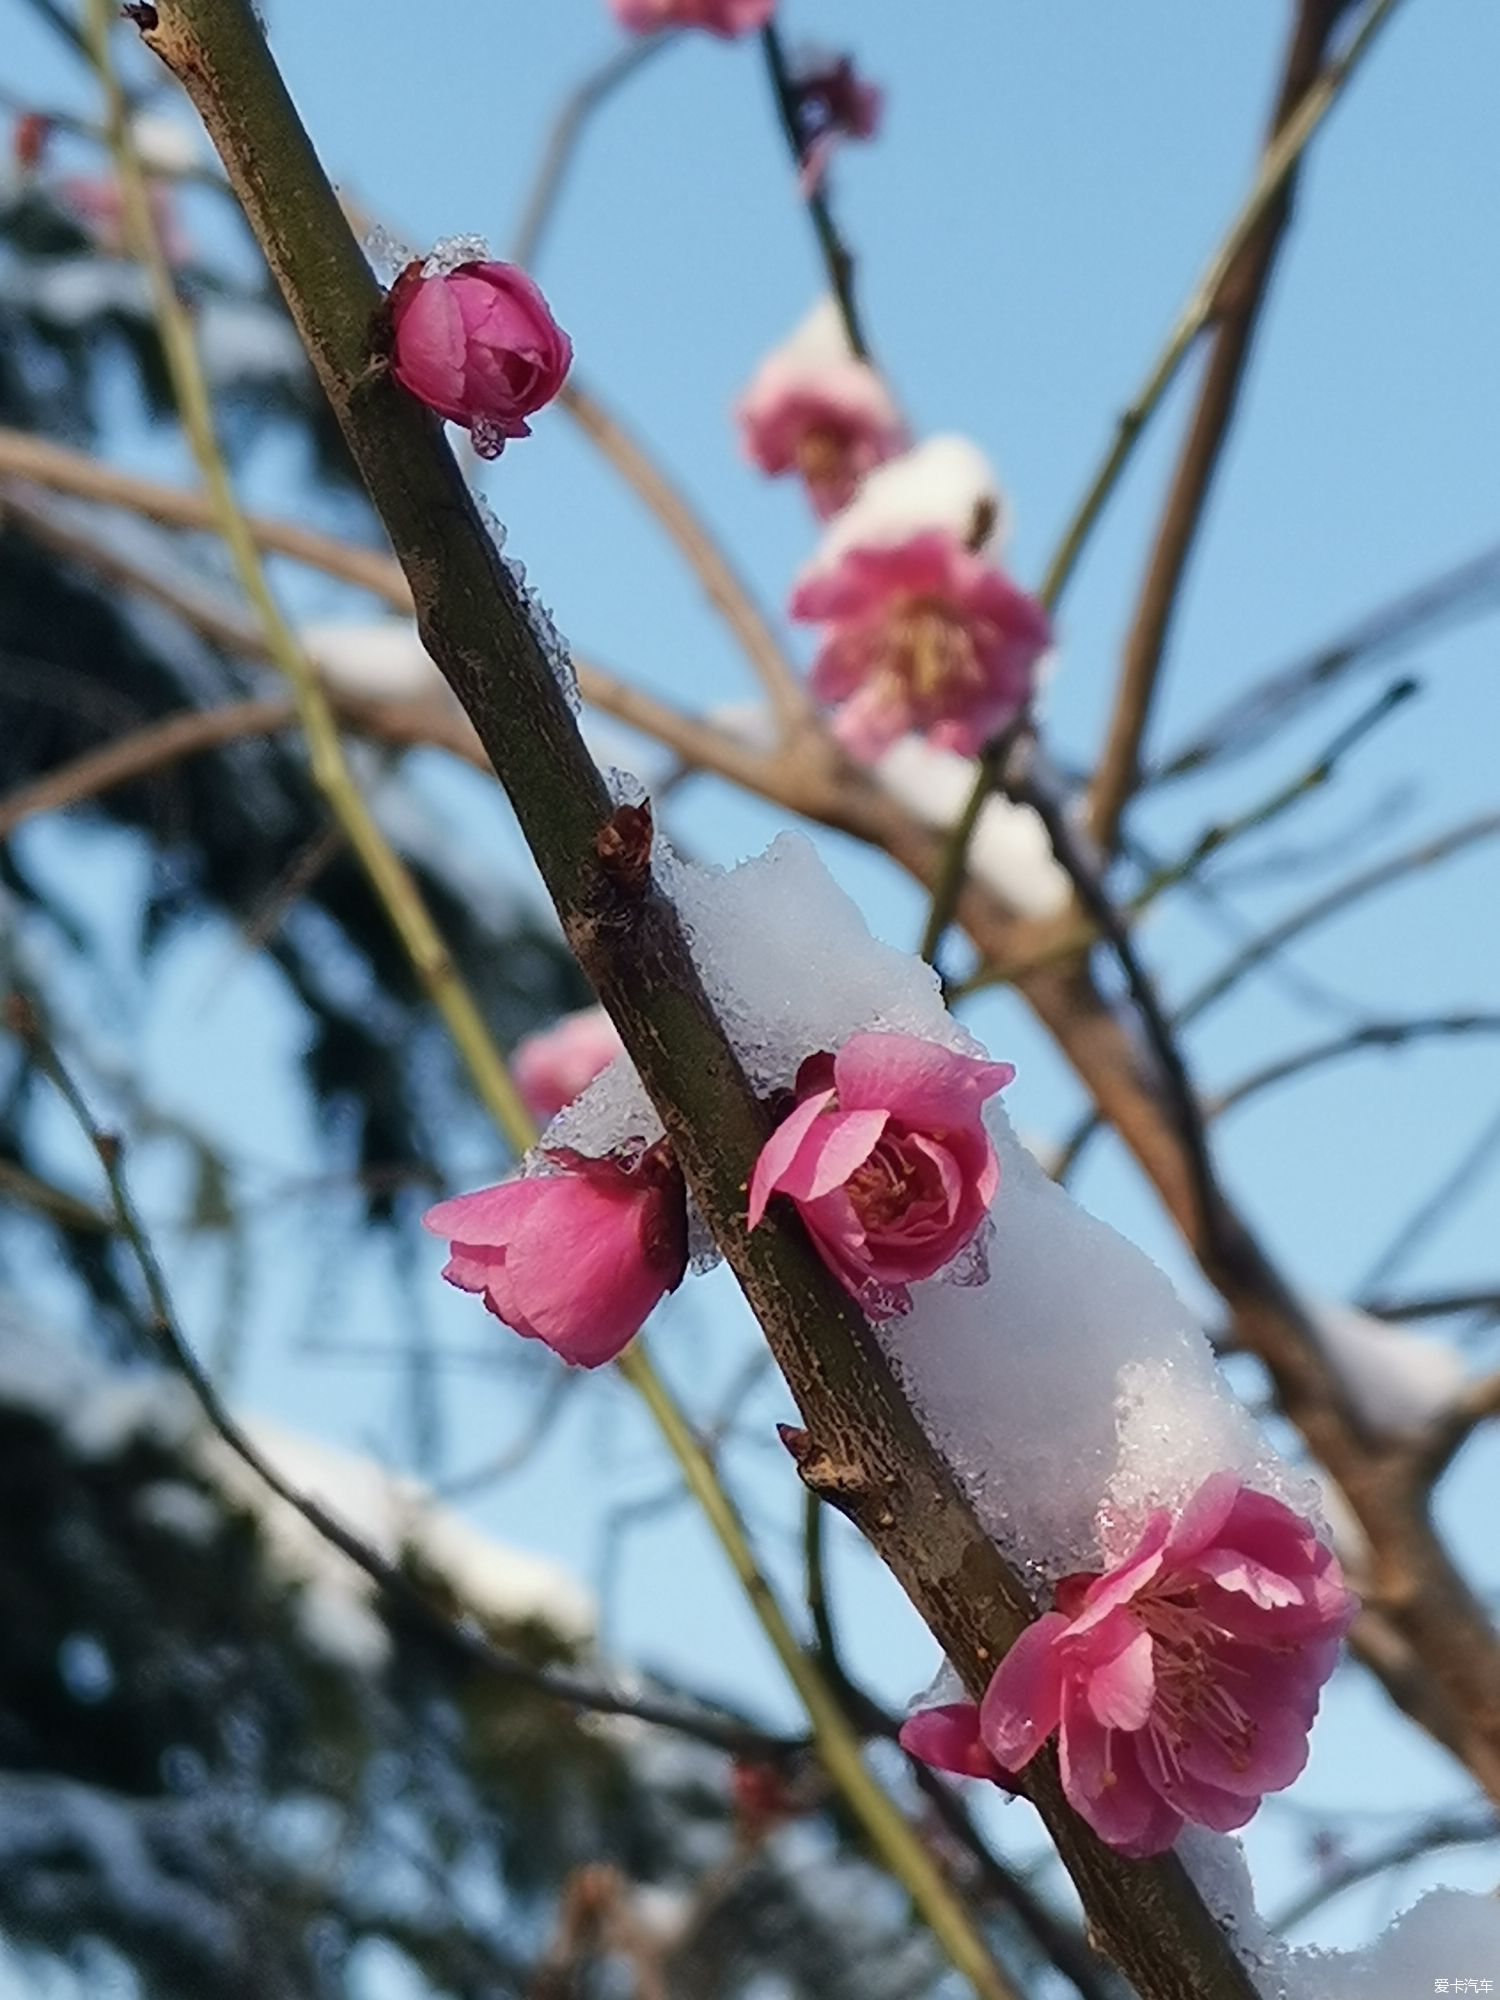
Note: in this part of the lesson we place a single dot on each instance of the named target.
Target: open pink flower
(720, 17)
(833, 102)
(830, 421)
(576, 1259)
(1183, 1682)
(920, 635)
(479, 345)
(552, 1067)
(887, 1160)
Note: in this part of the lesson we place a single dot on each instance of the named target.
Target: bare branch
(566, 134)
(1373, 1035)
(1471, 590)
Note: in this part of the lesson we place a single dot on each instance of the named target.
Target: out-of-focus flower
(554, 1065)
(720, 17)
(886, 1157)
(479, 345)
(812, 408)
(920, 635)
(576, 1258)
(833, 102)
(97, 204)
(1182, 1683)
(29, 139)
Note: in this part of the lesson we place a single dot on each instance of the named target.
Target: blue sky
(1048, 184)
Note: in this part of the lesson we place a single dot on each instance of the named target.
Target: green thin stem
(836, 1743)
(1278, 162)
(388, 875)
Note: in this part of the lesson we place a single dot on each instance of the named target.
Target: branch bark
(628, 939)
(1237, 310)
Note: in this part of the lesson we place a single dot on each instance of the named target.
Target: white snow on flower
(818, 342)
(946, 482)
(1010, 852)
(450, 251)
(382, 658)
(1075, 1379)
(166, 145)
(1398, 1382)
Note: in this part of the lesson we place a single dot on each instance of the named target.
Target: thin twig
(567, 132)
(706, 557)
(1452, 1830)
(631, 944)
(438, 724)
(1372, 1035)
(461, 1638)
(1435, 1207)
(1470, 590)
(1335, 902)
(1232, 293)
(1312, 101)
(1318, 774)
(1432, 1305)
(835, 252)
(1478, 1404)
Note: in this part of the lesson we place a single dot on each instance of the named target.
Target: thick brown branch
(630, 943)
(1239, 304)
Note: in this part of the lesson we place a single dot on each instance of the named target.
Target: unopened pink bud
(479, 345)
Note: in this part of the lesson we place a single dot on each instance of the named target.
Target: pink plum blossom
(553, 1066)
(886, 1157)
(947, 1737)
(833, 102)
(922, 635)
(479, 345)
(97, 203)
(831, 422)
(1182, 1683)
(577, 1258)
(720, 17)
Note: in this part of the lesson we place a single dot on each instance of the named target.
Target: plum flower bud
(832, 102)
(812, 408)
(887, 1160)
(576, 1259)
(920, 635)
(1182, 1683)
(947, 1737)
(720, 17)
(29, 139)
(553, 1066)
(479, 345)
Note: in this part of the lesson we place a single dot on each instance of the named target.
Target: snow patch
(945, 483)
(1398, 1382)
(1010, 851)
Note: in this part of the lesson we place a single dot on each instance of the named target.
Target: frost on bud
(479, 345)
(576, 1258)
(813, 409)
(887, 1160)
(1182, 1682)
(721, 17)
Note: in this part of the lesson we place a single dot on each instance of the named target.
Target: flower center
(1192, 1698)
(822, 455)
(929, 649)
(895, 1185)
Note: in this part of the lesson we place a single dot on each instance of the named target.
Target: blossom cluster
(1180, 1676)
